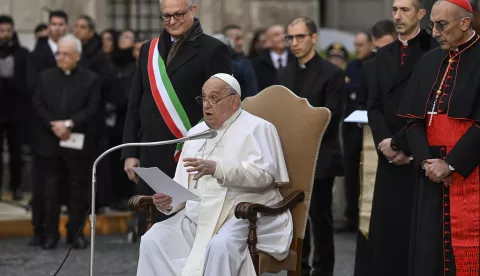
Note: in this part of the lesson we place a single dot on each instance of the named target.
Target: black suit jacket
(195, 62)
(82, 91)
(391, 81)
(324, 88)
(40, 58)
(265, 71)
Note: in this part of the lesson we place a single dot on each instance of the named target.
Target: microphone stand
(93, 219)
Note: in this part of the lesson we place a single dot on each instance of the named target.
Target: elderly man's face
(177, 16)
(219, 103)
(68, 56)
(448, 27)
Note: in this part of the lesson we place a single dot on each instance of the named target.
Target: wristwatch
(68, 124)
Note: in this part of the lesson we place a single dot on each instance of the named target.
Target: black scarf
(191, 35)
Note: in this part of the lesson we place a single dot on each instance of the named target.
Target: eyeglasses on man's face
(298, 37)
(212, 100)
(178, 15)
(442, 25)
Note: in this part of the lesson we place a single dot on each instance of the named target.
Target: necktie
(280, 64)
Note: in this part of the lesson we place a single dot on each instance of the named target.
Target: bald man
(275, 57)
(443, 107)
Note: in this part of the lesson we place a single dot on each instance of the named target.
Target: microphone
(207, 134)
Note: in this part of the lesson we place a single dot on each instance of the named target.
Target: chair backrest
(301, 128)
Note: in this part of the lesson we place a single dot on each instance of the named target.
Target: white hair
(223, 38)
(74, 39)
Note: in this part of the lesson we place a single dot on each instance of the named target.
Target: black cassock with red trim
(442, 101)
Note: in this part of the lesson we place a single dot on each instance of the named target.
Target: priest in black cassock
(323, 85)
(66, 101)
(170, 73)
(395, 179)
(443, 104)
(383, 33)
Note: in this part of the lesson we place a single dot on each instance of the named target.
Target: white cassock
(204, 237)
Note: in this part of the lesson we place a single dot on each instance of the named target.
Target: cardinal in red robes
(443, 104)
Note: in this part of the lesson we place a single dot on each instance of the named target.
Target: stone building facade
(143, 15)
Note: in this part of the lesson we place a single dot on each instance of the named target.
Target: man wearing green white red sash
(170, 73)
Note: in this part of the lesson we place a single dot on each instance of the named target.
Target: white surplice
(205, 238)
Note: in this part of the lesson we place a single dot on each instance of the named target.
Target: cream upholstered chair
(301, 128)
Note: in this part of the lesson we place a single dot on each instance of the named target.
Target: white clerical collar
(275, 57)
(53, 46)
(230, 120)
(173, 40)
(456, 50)
(405, 42)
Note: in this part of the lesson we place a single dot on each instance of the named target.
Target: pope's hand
(162, 202)
(202, 167)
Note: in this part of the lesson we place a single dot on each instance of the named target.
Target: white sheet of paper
(357, 116)
(74, 142)
(162, 183)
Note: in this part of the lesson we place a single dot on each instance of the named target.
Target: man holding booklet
(242, 163)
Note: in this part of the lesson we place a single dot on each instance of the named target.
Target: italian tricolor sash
(165, 97)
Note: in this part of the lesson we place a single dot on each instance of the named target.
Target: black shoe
(80, 243)
(50, 243)
(35, 241)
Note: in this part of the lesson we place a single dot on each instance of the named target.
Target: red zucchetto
(462, 3)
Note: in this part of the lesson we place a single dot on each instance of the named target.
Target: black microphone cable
(76, 236)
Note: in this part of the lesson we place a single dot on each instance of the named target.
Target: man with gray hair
(242, 163)
(442, 103)
(171, 71)
(66, 100)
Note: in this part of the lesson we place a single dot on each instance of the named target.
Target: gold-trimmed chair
(301, 128)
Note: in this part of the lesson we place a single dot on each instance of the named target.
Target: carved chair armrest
(140, 203)
(248, 210)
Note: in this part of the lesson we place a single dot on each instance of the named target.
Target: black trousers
(78, 173)
(321, 224)
(352, 145)
(124, 188)
(38, 197)
(13, 133)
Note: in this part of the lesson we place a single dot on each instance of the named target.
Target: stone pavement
(114, 257)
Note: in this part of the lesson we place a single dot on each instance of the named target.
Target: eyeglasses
(212, 101)
(298, 37)
(178, 15)
(440, 26)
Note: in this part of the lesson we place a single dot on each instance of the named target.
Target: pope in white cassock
(241, 164)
